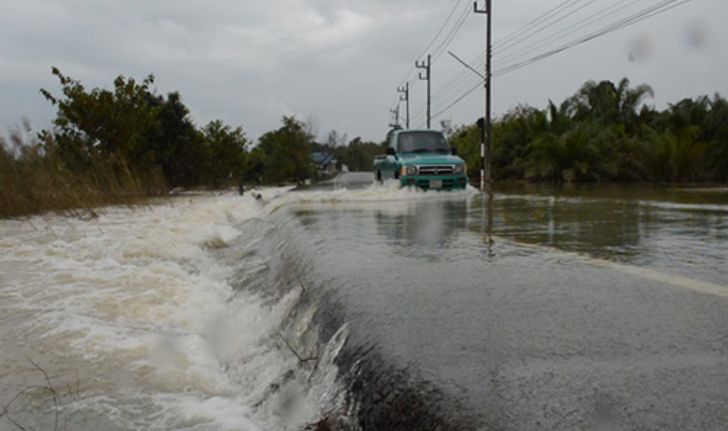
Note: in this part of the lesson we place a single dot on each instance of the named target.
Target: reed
(34, 180)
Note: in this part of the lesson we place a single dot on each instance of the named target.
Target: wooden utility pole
(428, 78)
(404, 97)
(486, 146)
(395, 116)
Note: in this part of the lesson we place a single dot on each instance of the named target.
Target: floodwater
(539, 307)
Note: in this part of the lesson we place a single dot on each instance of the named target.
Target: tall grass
(33, 180)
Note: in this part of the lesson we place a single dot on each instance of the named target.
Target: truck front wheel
(379, 176)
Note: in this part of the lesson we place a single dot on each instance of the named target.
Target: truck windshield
(422, 142)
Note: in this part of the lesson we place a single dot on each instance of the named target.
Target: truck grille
(435, 170)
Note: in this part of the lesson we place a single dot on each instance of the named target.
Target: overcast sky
(248, 62)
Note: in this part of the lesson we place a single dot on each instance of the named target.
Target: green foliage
(132, 128)
(35, 179)
(111, 124)
(175, 143)
(358, 155)
(226, 148)
(605, 133)
(121, 144)
(286, 152)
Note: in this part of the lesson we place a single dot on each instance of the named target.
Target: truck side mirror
(453, 151)
(391, 152)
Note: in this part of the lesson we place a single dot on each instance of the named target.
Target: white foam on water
(135, 306)
(135, 309)
(390, 192)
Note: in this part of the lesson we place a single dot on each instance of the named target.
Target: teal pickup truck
(423, 159)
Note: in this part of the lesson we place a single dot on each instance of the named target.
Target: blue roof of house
(321, 157)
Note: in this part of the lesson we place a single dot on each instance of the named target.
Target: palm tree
(629, 100)
(607, 103)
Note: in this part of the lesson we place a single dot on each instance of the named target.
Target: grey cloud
(249, 62)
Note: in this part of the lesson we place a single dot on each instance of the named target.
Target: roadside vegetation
(121, 145)
(605, 132)
(35, 179)
(127, 143)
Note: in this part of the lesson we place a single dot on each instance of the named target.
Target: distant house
(324, 162)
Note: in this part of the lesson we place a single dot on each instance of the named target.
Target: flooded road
(553, 309)
(600, 307)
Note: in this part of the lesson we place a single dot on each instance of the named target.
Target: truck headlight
(409, 170)
(459, 169)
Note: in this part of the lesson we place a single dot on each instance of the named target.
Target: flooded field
(371, 307)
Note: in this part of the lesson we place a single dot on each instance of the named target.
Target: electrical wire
(408, 76)
(445, 43)
(453, 32)
(458, 100)
(646, 13)
(536, 21)
(551, 14)
(568, 31)
(542, 28)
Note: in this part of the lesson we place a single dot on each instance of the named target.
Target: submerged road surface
(594, 308)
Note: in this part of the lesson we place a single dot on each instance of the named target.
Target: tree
(178, 147)
(286, 152)
(607, 103)
(358, 155)
(112, 124)
(335, 139)
(226, 149)
(140, 133)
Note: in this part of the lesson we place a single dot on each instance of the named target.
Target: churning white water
(134, 319)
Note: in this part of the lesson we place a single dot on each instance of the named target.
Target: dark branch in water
(301, 360)
(17, 424)
(6, 408)
(56, 398)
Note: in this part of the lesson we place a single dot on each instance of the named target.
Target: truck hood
(429, 159)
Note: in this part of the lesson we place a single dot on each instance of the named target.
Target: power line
(409, 77)
(439, 32)
(463, 86)
(458, 100)
(480, 61)
(549, 17)
(533, 23)
(649, 12)
(453, 32)
(568, 31)
(644, 14)
(543, 27)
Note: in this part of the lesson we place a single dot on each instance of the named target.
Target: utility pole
(428, 78)
(404, 97)
(395, 115)
(486, 158)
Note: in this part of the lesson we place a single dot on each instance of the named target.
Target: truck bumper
(449, 182)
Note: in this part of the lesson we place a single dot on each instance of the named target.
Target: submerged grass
(34, 180)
